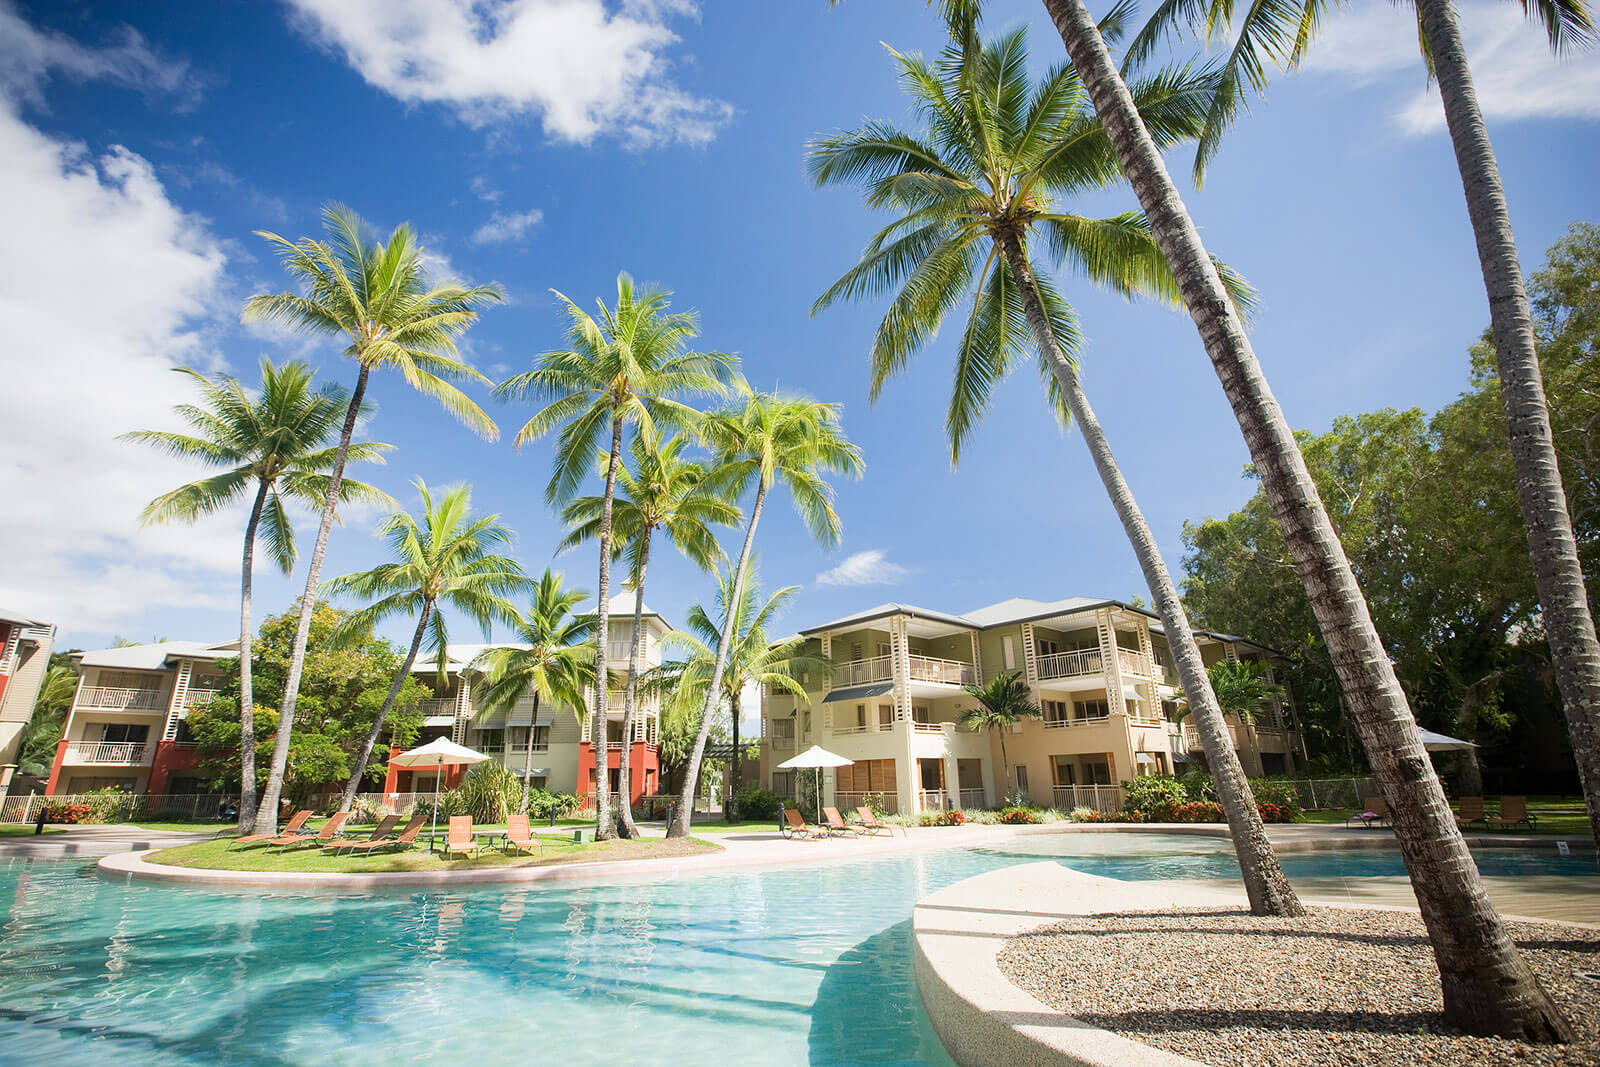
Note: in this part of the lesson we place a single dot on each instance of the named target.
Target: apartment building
(562, 759)
(1100, 669)
(25, 646)
(126, 726)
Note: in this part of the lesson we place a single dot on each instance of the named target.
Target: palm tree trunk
(1487, 986)
(267, 812)
(527, 764)
(680, 824)
(731, 814)
(1005, 764)
(605, 826)
(395, 686)
(247, 701)
(625, 825)
(1574, 651)
(1264, 881)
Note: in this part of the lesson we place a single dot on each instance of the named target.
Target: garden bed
(1337, 986)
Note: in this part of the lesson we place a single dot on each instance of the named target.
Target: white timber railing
(860, 671)
(120, 699)
(126, 752)
(972, 798)
(931, 799)
(1096, 797)
(947, 671)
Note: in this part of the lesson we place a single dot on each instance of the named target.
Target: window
(1022, 779)
(918, 714)
(855, 657)
(861, 717)
(783, 783)
(1096, 772)
(135, 733)
(782, 730)
(494, 740)
(1048, 648)
(1091, 709)
(1169, 709)
(805, 723)
(650, 732)
(1064, 771)
(885, 716)
(883, 648)
(1055, 712)
(1008, 652)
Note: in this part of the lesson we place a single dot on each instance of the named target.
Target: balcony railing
(948, 671)
(108, 751)
(1087, 661)
(120, 699)
(861, 671)
(198, 698)
(931, 799)
(435, 706)
(922, 669)
(848, 800)
(1075, 720)
(1095, 797)
(781, 743)
(972, 798)
(927, 727)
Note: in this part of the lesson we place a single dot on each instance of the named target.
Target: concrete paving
(91, 841)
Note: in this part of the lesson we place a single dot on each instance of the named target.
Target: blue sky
(143, 144)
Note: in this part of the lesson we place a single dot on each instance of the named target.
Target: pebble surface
(1335, 987)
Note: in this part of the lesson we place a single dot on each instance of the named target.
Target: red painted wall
(643, 758)
(170, 758)
(55, 768)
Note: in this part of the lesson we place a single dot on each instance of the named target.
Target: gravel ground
(1336, 987)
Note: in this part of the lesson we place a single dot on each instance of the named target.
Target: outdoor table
(491, 835)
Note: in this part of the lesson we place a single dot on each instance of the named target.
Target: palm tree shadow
(868, 1009)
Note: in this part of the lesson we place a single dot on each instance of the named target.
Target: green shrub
(1198, 811)
(1279, 794)
(541, 803)
(1155, 797)
(757, 803)
(1271, 812)
(1198, 785)
(1081, 814)
(1015, 815)
(944, 818)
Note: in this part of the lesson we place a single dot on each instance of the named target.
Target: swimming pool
(790, 965)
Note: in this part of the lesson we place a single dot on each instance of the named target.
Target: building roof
(154, 657)
(8, 615)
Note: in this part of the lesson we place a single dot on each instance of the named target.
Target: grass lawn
(1563, 816)
(214, 855)
(210, 826)
(25, 830)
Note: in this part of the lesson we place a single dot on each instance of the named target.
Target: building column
(1110, 663)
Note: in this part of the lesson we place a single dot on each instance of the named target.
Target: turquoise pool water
(796, 965)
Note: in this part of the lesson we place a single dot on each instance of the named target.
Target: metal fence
(125, 807)
(1323, 794)
(1095, 797)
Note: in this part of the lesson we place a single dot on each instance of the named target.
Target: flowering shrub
(1156, 796)
(69, 813)
(944, 818)
(1277, 794)
(1198, 811)
(1081, 815)
(1275, 812)
(1014, 815)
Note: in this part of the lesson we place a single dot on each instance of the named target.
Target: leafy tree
(771, 439)
(37, 744)
(665, 491)
(1005, 701)
(445, 558)
(276, 441)
(550, 661)
(628, 367)
(379, 298)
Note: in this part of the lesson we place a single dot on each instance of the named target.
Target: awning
(859, 692)
(533, 772)
(1138, 757)
(499, 720)
(432, 720)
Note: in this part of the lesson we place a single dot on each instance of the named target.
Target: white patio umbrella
(816, 757)
(439, 753)
(1433, 742)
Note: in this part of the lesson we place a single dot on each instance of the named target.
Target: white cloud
(484, 189)
(29, 57)
(864, 568)
(584, 71)
(111, 285)
(1513, 70)
(503, 227)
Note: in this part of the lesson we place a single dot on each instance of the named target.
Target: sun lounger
(1375, 811)
(794, 825)
(1514, 812)
(1471, 811)
(406, 838)
(519, 837)
(293, 826)
(329, 831)
(870, 825)
(379, 833)
(836, 823)
(460, 837)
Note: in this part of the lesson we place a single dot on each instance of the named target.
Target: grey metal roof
(858, 692)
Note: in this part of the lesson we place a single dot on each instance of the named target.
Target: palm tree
(552, 660)
(997, 162)
(1004, 702)
(629, 367)
(378, 296)
(752, 659)
(444, 557)
(772, 439)
(277, 442)
(41, 736)
(663, 491)
(1487, 986)
(1283, 32)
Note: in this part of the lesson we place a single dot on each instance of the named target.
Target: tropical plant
(444, 556)
(1487, 986)
(378, 296)
(997, 160)
(751, 658)
(549, 661)
(663, 491)
(1282, 32)
(772, 439)
(275, 441)
(1001, 704)
(628, 367)
(37, 744)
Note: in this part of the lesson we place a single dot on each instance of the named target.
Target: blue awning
(858, 692)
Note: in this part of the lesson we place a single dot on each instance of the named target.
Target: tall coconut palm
(1001, 704)
(753, 660)
(443, 556)
(377, 296)
(998, 161)
(772, 439)
(552, 660)
(275, 440)
(1487, 986)
(630, 366)
(664, 491)
(1282, 32)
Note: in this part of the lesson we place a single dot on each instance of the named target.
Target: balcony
(861, 671)
(922, 669)
(947, 671)
(1087, 661)
(1095, 797)
(125, 753)
(1076, 720)
(108, 697)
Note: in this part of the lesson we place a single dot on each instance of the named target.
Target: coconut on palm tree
(753, 660)
(1487, 986)
(999, 161)
(664, 490)
(629, 366)
(378, 298)
(279, 442)
(551, 660)
(1005, 701)
(771, 440)
(445, 556)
